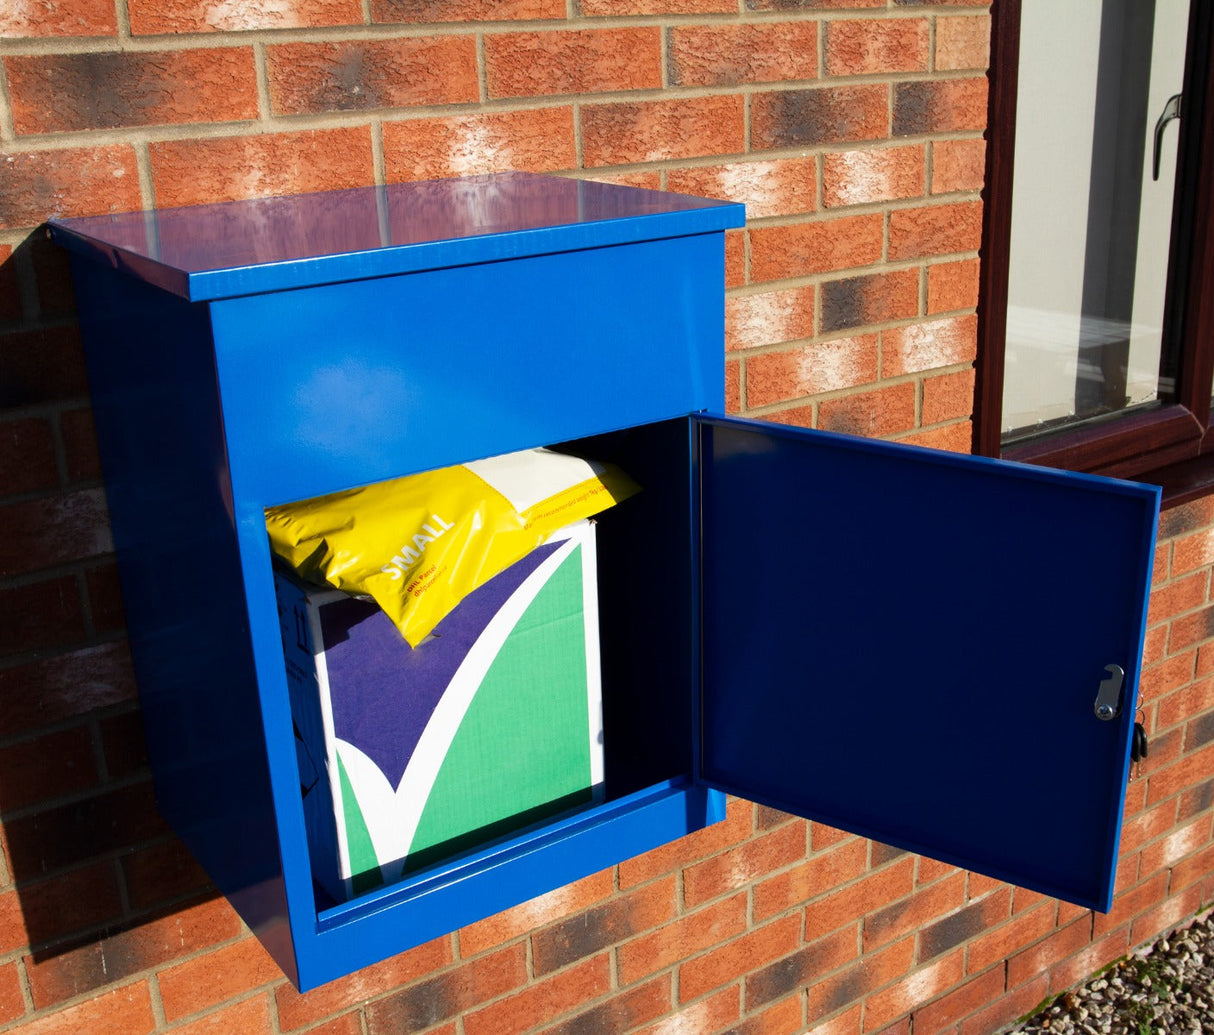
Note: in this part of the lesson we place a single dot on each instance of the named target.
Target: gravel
(1164, 989)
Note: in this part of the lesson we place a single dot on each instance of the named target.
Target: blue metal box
(900, 642)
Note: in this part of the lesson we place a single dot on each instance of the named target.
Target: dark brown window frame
(1171, 444)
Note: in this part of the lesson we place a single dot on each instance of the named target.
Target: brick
(936, 230)
(931, 870)
(732, 869)
(78, 831)
(822, 872)
(1182, 594)
(733, 386)
(954, 438)
(780, 187)
(779, 1019)
(1167, 915)
(799, 969)
(27, 456)
(42, 365)
(351, 1024)
(958, 165)
(595, 929)
(885, 411)
(850, 903)
(51, 765)
(800, 249)
(12, 1002)
(674, 855)
(959, 927)
(158, 873)
(929, 345)
(54, 530)
(406, 1009)
(722, 965)
(122, 1011)
(250, 1017)
(939, 106)
(64, 18)
(1195, 799)
(537, 64)
(769, 318)
(1195, 867)
(1036, 959)
(654, 131)
(221, 974)
(1147, 825)
(58, 93)
(735, 258)
(119, 956)
(845, 1024)
(948, 397)
(872, 175)
(566, 901)
(876, 46)
(884, 1007)
(1009, 1007)
(357, 75)
(195, 172)
(543, 1000)
(531, 140)
(1193, 551)
(1131, 903)
(1188, 517)
(811, 5)
(952, 1007)
(890, 923)
(810, 370)
(64, 687)
(681, 939)
(106, 613)
(622, 1012)
(819, 115)
(715, 1013)
(43, 912)
(1079, 967)
(728, 55)
(40, 615)
(1161, 681)
(874, 970)
(1169, 850)
(869, 299)
(162, 17)
(1191, 629)
(997, 944)
(952, 285)
(416, 11)
(963, 42)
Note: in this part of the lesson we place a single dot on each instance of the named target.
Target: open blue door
(910, 645)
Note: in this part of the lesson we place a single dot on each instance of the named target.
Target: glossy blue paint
(232, 368)
(909, 644)
(249, 354)
(277, 244)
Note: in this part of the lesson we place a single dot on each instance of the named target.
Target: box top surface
(234, 248)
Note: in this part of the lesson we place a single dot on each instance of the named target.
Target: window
(1097, 332)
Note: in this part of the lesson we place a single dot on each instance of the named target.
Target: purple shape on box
(383, 692)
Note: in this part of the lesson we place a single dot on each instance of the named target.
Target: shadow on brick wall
(93, 881)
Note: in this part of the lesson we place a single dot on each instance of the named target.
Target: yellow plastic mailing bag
(419, 544)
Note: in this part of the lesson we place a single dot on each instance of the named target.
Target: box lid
(234, 248)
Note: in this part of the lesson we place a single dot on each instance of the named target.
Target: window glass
(1091, 222)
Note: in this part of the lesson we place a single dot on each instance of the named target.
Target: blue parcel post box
(900, 642)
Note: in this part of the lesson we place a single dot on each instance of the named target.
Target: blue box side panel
(329, 387)
(161, 437)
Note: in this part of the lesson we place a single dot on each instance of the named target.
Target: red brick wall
(852, 129)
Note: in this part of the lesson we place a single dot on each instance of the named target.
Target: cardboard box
(410, 756)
